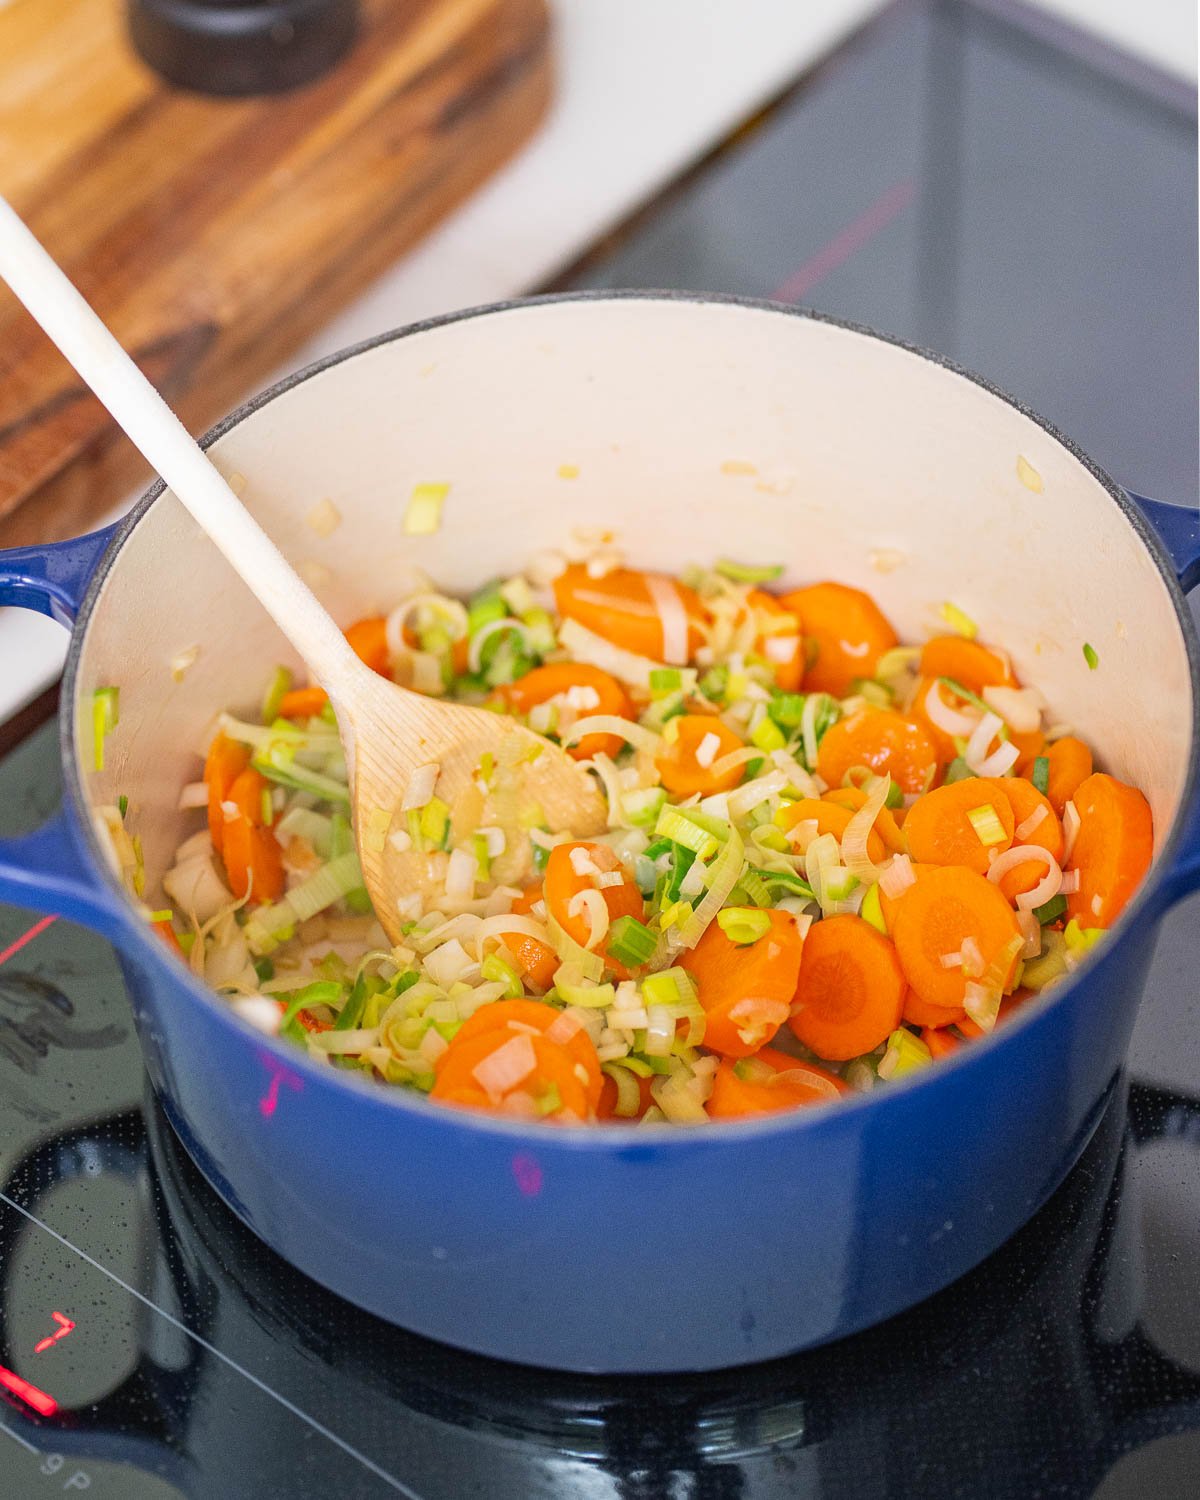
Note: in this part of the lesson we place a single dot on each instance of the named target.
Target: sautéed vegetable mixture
(831, 859)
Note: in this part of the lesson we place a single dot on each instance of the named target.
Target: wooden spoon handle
(157, 432)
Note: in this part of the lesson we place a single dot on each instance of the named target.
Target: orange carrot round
(303, 703)
(845, 635)
(886, 825)
(745, 989)
(944, 909)
(1070, 765)
(888, 904)
(830, 817)
(563, 882)
(850, 993)
(782, 644)
(551, 681)
(1113, 848)
(793, 1085)
(368, 640)
(918, 1012)
(621, 607)
(885, 741)
(554, 1068)
(681, 772)
(536, 960)
(513, 1016)
(971, 663)
(939, 831)
(1027, 803)
(940, 1041)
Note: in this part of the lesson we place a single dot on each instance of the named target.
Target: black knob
(251, 47)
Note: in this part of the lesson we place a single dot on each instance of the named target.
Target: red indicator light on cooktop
(30, 1394)
(64, 1327)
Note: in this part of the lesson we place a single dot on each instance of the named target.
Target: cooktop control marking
(32, 1395)
(64, 1327)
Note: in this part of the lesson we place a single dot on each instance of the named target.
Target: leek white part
(592, 905)
(196, 889)
(460, 875)
(565, 1026)
(982, 1003)
(450, 610)
(263, 1014)
(858, 831)
(722, 876)
(400, 841)
(972, 958)
(669, 607)
(951, 960)
(897, 876)
(193, 795)
(183, 661)
(1034, 820)
(1071, 824)
(1069, 884)
(448, 963)
(706, 750)
(1031, 931)
(506, 1067)
(660, 1031)
(495, 627)
(976, 755)
(582, 863)
(637, 735)
(1020, 708)
(950, 720)
(716, 806)
(419, 791)
(626, 666)
(732, 761)
(745, 798)
(780, 648)
(1022, 854)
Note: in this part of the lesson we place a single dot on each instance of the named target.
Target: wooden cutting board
(214, 235)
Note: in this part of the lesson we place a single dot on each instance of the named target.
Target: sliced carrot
(939, 831)
(941, 1043)
(888, 742)
(519, 1015)
(782, 644)
(1070, 765)
(253, 861)
(303, 703)
(226, 761)
(168, 934)
(845, 635)
(1113, 848)
(745, 989)
(794, 1085)
(246, 794)
(937, 915)
(886, 825)
(889, 904)
(830, 817)
(562, 883)
(1026, 803)
(918, 1012)
(368, 640)
(971, 663)
(850, 993)
(551, 681)
(554, 1068)
(682, 774)
(621, 607)
(536, 961)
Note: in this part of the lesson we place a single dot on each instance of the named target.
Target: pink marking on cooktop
(847, 242)
(26, 937)
(528, 1174)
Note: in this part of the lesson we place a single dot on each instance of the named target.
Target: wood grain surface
(214, 235)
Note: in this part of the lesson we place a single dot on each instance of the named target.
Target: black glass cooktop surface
(947, 165)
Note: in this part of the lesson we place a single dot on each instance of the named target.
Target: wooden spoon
(389, 734)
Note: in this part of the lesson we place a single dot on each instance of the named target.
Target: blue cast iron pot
(691, 429)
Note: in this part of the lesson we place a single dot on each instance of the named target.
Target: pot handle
(1177, 527)
(47, 870)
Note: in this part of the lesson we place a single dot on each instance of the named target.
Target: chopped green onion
(673, 986)
(787, 709)
(784, 880)
(629, 1095)
(434, 824)
(744, 573)
(264, 969)
(539, 856)
(986, 823)
(1051, 910)
(1050, 966)
(1040, 775)
(483, 863)
(631, 942)
(1090, 656)
(267, 807)
(162, 916)
(871, 910)
(958, 620)
(424, 513)
(485, 608)
(715, 682)
(496, 969)
(665, 680)
(767, 735)
(743, 924)
(876, 693)
(122, 805)
(1081, 940)
(280, 683)
(642, 807)
(905, 1053)
(588, 996)
(106, 715)
(958, 770)
(548, 1100)
(966, 695)
(756, 888)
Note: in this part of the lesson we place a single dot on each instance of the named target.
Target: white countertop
(645, 87)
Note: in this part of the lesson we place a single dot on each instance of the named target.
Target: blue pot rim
(620, 1138)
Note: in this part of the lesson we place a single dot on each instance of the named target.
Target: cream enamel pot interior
(700, 428)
